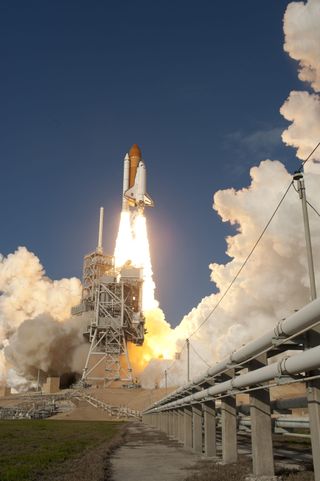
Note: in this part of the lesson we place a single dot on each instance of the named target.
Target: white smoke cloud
(275, 281)
(302, 39)
(35, 317)
(303, 110)
(46, 344)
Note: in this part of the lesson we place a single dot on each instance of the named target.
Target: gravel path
(149, 455)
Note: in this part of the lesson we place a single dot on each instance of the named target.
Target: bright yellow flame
(124, 242)
(132, 244)
(141, 258)
(159, 342)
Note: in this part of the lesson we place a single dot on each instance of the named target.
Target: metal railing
(118, 412)
(189, 413)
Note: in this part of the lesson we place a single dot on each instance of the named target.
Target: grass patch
(29, 448)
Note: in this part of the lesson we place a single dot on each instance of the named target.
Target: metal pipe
(305, 361)
(297, 322)
(188, 360)
(281, 422)
(279, 405)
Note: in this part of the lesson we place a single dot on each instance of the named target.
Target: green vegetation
(28, 448)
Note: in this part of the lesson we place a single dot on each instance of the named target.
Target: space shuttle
(135, 181)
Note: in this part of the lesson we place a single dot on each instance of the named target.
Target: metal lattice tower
(111, 309)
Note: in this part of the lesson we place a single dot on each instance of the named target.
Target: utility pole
(298, 177)
(166, 380)
(312, 338)
(38, 381)
(188, 360)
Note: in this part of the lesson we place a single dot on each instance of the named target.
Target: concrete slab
(149, 455)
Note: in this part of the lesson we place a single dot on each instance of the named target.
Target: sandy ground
(82, 411)
(137, 399)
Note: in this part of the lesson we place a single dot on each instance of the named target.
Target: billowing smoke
(36, 331)
(302, 109)
(302, 39)
(275, 281)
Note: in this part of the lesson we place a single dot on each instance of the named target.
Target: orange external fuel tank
(135, 157)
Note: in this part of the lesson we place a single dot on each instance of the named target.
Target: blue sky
(198, 85)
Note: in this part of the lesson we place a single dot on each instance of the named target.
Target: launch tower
(111, 310)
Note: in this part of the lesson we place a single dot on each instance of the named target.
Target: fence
(119, 412)
(191, 411)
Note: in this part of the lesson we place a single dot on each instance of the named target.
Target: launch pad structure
(111, 303)
(111, 308)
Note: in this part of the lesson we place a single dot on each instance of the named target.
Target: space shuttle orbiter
(135, 181)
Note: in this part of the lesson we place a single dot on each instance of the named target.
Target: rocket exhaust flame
(124, 242)
(132, 245)
(141, 257)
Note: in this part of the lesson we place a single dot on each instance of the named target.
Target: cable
(309, 203)
(247, 258)
(175, 360)
(244, 263)
(254, 246)
(200, 357)
(308, 158)
(315, 210)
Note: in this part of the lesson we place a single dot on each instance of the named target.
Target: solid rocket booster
(135, 181)
(126, 181)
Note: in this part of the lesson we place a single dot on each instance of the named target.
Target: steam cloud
(34, 312)
(275, 281)
(36, 331)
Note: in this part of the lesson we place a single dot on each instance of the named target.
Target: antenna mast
(99, 246)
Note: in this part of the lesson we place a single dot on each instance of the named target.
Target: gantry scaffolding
(111, 308)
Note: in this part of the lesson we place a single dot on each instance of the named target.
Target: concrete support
(229, 425)
(175, 424)
(261, 427)
(162, 421)
(313, 395)
(187, 426)
(169, 423)
(197, 428)
(181, 425)
(209, 413)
